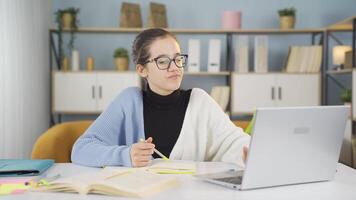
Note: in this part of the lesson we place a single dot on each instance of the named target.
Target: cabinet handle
(272, 93)
(100, 92)
(279, 93)
(93, 92)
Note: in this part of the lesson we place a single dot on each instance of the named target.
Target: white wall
(24, 75)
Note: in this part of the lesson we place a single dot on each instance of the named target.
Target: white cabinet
(88, 92)
(252, 90)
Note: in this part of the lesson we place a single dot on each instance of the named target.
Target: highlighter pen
(156, 151)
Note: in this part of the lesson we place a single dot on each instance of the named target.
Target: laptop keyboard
(233, 180)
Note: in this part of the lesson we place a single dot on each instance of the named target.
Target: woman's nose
(172, 66)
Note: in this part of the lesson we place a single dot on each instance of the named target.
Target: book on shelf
(261, 54)
(214, 55)
(130, 16)
(194, 55)
(304, 59)
(241, 55)
(157, 16)
(129, 182)
(221, 94)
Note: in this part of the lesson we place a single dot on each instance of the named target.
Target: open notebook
(138, 182)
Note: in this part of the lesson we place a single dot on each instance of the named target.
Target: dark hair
(142, 42)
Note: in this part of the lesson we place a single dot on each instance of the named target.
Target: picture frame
(130, 16)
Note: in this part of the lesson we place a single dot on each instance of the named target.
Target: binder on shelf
(214, 55)
(261, 54)
(194, 55)
(241, 55)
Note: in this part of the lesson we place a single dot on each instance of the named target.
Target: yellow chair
(56, 143)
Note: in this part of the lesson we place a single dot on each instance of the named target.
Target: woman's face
(165, 81)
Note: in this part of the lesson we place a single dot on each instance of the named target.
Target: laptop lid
(294, 145)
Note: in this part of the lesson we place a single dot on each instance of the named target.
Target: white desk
(343, 187)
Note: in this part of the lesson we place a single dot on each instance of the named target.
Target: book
(304, 59)
(261, 54)
(194, 55)
(23, 167)
(214, 55)
(157, 16)
(130, 16)
(115, 181)
(241, 55)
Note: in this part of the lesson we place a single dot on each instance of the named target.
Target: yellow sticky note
(13, 188)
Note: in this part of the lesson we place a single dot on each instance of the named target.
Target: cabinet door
(250, 91)
(298, 89)
(74, 92)
(111, 84)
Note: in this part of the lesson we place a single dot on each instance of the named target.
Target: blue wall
(256, 14)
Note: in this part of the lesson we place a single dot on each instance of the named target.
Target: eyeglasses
(164, 62)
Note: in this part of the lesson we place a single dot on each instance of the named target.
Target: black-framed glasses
(163, 62)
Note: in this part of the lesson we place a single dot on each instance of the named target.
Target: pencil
(156, 151)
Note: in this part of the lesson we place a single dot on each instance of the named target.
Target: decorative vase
(90, 63)
(65, 64)
(67, 19)
(121, 63)
(75, 60)
(231, 20)
(287, 22)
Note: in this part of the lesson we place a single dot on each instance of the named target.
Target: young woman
(184, 124)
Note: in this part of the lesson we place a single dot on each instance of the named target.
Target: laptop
(289, 145)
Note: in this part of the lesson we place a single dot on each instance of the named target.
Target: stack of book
(304, 59)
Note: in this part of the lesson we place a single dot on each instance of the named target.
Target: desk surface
(342, 187)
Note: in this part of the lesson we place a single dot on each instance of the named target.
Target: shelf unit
(346, 25)
(348, 152)
(229, 34)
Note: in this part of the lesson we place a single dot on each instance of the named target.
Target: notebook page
(138, 183)
(172, 167)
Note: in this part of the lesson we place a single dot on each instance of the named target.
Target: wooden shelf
(196, 31)
(94, 71)
(224, 73)
(342, 71)
(287, 73)
(344, 25)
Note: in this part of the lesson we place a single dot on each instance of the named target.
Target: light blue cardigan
(107, 141)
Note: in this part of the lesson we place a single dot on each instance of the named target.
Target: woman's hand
(141, 153)
(245, 153)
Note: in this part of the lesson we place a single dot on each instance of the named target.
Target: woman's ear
(141, 70)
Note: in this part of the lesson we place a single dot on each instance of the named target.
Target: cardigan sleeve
(225, 141)
(104, 141)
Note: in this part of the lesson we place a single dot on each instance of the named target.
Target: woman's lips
(174, 76)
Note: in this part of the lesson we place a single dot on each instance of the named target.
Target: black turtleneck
(163, 117)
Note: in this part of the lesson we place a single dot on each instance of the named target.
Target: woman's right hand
(141, 153)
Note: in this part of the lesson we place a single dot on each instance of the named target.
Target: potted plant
(287, 18)
(66, 19)
(346, 96)
(121, 59)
